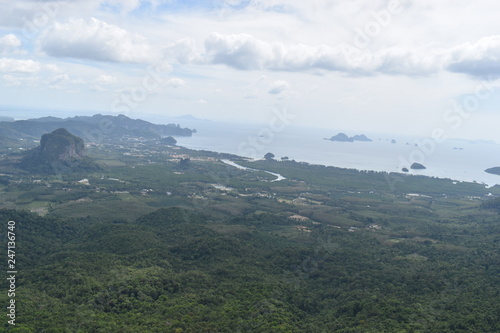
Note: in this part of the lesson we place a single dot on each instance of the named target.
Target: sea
(459, 160)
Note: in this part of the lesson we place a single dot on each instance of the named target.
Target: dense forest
(174, 270)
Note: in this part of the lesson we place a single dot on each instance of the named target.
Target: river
(277, 175)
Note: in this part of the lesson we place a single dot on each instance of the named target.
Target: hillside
(177, 270)
(6, 141)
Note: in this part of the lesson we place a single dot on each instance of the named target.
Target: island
(417, 166)
(494, 170)
(342, 137)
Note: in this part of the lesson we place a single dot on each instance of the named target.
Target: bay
(456, 159)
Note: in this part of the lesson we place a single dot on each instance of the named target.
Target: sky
(428, 68)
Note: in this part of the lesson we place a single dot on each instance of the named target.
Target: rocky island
(417, 166)
(342, 137)
(494, 170)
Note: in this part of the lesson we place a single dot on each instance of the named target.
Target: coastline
(389, 174)
(446, 160)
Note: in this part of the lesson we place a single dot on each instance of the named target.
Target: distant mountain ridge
(91, 128)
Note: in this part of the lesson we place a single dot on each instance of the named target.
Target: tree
(185, 163)
(269, 156)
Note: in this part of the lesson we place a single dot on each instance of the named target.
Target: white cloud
(8, 65)
(399, 61)
(246, 52)
(10, 45)
(106, 79)
(96, 40)
(51, 67)
(17, 81)
(175, 82)
(479, 59)
(184, 50)
(279, 87)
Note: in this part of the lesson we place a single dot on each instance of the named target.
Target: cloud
(8, 65)
(279, 87)
(106, 79)
(184, 50)
(15, 14)
(246, 52)
(51, 67)
(17, 81)
(10, 45)
(175, 82)
(96, 40)
(480, 59)
(58, 79)
(399, 61)
(123, 6)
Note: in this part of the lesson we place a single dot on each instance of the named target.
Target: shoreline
(388, 173)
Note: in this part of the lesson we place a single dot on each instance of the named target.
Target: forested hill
(91, 128)
(176, 270)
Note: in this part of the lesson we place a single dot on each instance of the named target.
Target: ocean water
(456, 159)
